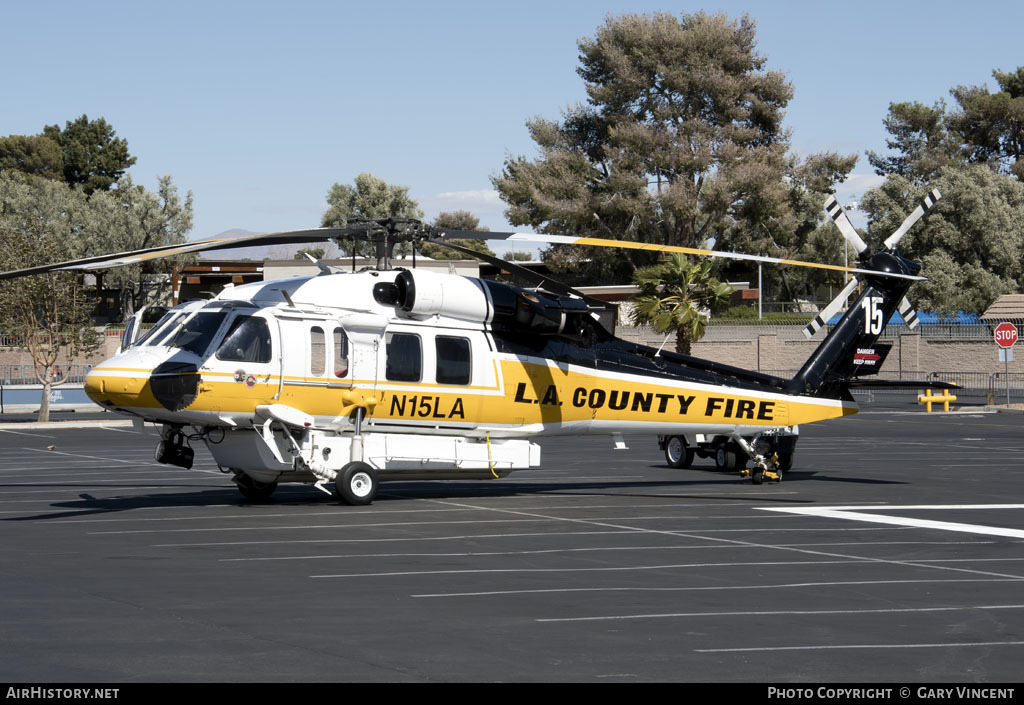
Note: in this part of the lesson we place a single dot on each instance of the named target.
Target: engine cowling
(423, 293)
(419, 293)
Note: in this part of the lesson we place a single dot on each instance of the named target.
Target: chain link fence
(14, 374)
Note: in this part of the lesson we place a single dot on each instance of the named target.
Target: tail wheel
(356, 484)
(677, 453)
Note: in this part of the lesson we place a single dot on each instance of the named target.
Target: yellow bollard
(928, 399)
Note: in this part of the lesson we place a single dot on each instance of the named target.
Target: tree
(992, 124)
(457, 220)
(316, 253)
(681, 141)
(370, 197)
(922, 140)
(40, 222)
(93, 156)
(130, 217)
(37, 155)
(674, 296)
(982, 128)
(971, 244)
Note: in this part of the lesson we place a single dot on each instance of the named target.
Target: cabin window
(453, 360)
(404, 357)
(317, 351)
(248, 340)
(340, 353)
(196, 334)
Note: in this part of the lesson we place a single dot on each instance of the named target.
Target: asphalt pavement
(892, 552)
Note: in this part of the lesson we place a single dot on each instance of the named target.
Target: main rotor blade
(538, 280)
(118, 259)
(599, 242)
(926, 204)
(838, 214)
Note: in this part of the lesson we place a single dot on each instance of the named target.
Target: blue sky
(259, 107)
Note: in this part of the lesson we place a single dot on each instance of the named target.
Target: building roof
(1007, 307)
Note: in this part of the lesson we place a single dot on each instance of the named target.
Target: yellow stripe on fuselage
(534, 393)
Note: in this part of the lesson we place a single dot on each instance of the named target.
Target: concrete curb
(1004, 410)
(116, 423)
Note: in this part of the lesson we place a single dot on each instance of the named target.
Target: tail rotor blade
(832, 309)
(838, 215)
(908, 313)
(926, 204)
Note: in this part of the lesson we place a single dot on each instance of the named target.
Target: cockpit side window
(196, 334)
(248, 340)
(129, 331)
(340, 353)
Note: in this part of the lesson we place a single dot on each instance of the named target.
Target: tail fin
(828, 371)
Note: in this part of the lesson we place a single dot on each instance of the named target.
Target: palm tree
(673, 296)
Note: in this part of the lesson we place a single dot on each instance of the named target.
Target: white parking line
(716, 588)
(22, 433)
(824, 647)
(857, 514)
(611, 569)
(780, 613)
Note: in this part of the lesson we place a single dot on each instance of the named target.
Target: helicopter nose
(175, 384)
(143, 380)
(118, 384)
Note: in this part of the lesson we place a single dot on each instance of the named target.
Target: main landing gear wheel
(356, 484)
(726, 458)
(254, 490)
(677, 454)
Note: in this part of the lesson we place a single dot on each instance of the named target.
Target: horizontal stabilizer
(900, 384)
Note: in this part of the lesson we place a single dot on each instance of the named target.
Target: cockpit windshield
(193, 325)
(161, 329)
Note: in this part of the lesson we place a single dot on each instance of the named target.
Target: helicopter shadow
(805, 475)
(674, 487)
(304, 495)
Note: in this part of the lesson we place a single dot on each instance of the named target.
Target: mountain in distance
(256, 254)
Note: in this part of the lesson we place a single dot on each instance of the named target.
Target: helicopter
(351, 378)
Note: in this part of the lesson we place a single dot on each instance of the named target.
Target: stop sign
(1006, 335)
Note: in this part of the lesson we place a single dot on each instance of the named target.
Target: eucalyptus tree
(368, 197)
(130, 217)
(41, 221)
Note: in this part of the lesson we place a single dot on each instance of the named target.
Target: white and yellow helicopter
(361, 377)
